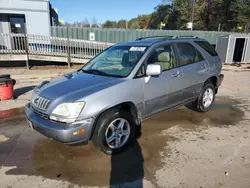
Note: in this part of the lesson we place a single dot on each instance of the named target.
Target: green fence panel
(123, 35)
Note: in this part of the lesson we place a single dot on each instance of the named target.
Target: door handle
(203, 66)
(177, 74)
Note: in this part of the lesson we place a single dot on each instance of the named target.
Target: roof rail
(168, 37)
(185, 37)
(153, 37)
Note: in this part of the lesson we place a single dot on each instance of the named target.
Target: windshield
(117, 61)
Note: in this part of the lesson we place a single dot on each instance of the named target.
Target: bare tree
(86, 23)
(94, 22)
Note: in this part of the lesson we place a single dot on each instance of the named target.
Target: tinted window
(163, 55)
(206, 46)
(198, 56)
(188, 54)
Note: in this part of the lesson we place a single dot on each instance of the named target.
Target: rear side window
(188, 54)
(206, 46)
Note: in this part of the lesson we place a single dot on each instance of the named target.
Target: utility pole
(219, 27)
(192, 17)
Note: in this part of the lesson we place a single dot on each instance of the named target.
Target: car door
(211, 55)
(163, 91)
(194, 68)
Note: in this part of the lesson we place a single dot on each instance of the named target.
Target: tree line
(210, 15)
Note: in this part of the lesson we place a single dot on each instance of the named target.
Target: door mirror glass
(153, 70)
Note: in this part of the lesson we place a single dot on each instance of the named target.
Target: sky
(102, 10)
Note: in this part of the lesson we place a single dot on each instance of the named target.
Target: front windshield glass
(117, 61)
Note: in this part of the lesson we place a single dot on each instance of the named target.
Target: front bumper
(64, 133)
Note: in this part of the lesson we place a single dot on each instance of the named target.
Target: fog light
(79, 132)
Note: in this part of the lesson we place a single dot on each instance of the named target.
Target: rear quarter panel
(214, 62)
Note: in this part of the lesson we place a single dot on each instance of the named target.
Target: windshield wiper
(98, 72)
(94, 71)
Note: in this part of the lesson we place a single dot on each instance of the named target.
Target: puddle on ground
(225, 112)
(84, 165)
(13, 117)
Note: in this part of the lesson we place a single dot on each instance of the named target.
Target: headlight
(67, 112)
(33, 96)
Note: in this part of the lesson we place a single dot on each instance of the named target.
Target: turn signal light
(79, 132)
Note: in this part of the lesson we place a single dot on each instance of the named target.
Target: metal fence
(49, 46)
(123, 35)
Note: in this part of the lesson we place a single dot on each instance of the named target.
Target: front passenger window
(163, 55)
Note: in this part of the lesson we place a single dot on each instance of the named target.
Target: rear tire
(114, 127)
(205, 100)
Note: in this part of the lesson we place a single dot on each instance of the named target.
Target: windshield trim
(113, 75)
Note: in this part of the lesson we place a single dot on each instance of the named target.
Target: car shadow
(127, 168)
(21, 91)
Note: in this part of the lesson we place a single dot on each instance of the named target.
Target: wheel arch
(127, 106)
(214, 81)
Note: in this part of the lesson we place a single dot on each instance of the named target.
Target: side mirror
(153, 70)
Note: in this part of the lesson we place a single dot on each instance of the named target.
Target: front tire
(205, 100)
(115, 129)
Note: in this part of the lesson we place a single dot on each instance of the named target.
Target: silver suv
(107, 99)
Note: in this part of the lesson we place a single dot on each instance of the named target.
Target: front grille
(40, 114)
(40, 103)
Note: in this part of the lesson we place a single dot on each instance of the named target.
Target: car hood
(76, 85)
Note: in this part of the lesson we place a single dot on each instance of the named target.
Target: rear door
(194, 67)
(211, 55)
